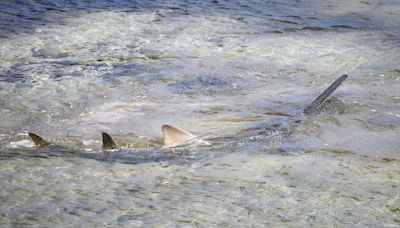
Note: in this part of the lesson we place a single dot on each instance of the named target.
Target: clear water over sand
(237, 73)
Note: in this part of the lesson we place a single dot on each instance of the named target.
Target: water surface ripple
(237, 74)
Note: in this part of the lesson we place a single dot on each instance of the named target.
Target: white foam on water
(21, 144)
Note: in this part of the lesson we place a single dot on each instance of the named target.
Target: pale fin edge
(173, 136)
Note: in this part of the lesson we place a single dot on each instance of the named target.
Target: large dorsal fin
(39, 141)
(108, 142)
(174, 136)
(324, 95)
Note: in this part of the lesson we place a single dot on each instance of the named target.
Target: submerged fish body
(282, 125)
(174, 138)
(109, 153)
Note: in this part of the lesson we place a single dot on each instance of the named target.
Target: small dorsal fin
(39, 141)
(174, 136)
(108, 142)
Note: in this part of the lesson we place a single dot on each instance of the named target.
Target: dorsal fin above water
(39, 141)
(324, 95)
(108, 142)
(174, 136)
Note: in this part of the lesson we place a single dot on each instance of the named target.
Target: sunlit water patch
(236, 74)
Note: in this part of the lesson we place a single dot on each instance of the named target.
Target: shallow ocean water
(236, 73)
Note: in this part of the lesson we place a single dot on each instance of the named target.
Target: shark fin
(324, 95)
(39, 141)
(174, 136)
(108, 142)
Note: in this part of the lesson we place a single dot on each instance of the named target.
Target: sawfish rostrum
(316, 104)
